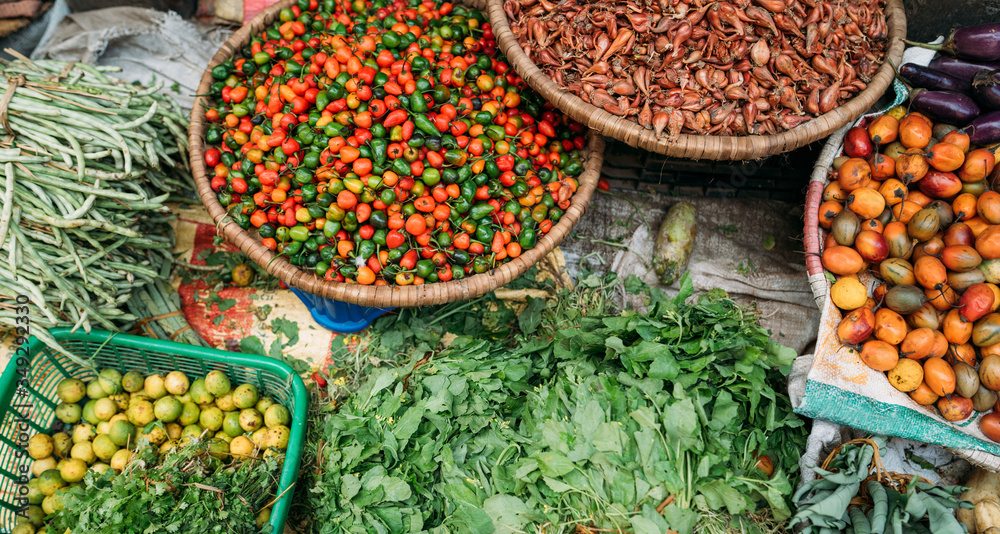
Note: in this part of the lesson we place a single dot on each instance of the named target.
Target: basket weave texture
(370, 295)
(814, 236)
(722, 148)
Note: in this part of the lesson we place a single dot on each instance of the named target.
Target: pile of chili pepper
(385, 143)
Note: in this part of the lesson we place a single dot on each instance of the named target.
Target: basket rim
(297, 390)
(388, 296)
(720, 148)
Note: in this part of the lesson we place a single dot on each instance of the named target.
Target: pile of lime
(108, 419)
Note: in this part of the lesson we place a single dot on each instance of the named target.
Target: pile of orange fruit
(912, 202)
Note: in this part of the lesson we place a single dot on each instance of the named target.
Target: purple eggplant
(948, 106)
(935, 80)
(986, 89)
(980, 42)
(985, 129)
(960, 68)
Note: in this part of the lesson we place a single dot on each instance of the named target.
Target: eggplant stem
(926, 45)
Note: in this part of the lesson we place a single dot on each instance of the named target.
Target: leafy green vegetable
(188, 492)
(829, 501)
(581, 419)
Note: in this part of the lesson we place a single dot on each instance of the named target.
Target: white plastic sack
(148, 45)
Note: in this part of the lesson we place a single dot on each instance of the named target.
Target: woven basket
(726, 148)
(373, 296)
(815, 236)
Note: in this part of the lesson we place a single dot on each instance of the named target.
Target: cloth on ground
(750, 248)
(148, 45)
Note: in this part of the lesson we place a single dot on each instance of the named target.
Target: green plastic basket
(46, 368)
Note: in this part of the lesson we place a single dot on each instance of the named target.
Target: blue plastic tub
(340, 317)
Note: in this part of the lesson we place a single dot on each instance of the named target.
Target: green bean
(57, 182)
(61, 283)
(40, 217)
(7, 207)
(90, 165)
(141, 120)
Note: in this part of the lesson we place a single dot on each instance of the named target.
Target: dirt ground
(927, 19)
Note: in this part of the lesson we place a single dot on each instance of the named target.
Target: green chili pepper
(331, 228)
(379, 147)
(527, 238)
(425, 268)
(366, 249)
(417, 103)
(401, 167)
(422, 123)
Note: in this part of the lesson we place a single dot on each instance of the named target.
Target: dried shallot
(706, 67)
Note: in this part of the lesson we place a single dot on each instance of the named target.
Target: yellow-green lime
(104, 448)
(43, 465)
(264, 403)
(34, 515)
(111, 381)
(277, 437)
(121, 459)
(121, 399)
(251, 420)
(132, 382)
(245, 396)
(199, 394)
(73, 470)
(218, 448)
(95, 391)
(174, 431)
(141, 413)
(88, 412)
(83, 432)
(241, 447)
(100, 468)
(71, 390)
(277, 415)
(122, 433)
(231, 424)
(50, 481)
(226, 402)
(35, 495)
(217, 383)
(40, 446)
(105, 409)
(83, 451)
(211, 419)
(69, 413)
(189, 414)
(155, 436)
(176, 383)
(192, 431)
(61, 444)
(167, 409)
(154, 388)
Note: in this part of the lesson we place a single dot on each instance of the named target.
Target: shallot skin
(706, 67)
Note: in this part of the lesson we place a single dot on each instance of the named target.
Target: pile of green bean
(86, 170)
(824, 505)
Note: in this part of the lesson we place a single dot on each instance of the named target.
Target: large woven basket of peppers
(383, 153)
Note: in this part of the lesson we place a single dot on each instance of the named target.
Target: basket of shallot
(717, 79)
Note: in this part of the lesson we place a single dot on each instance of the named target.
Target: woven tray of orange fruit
(903, 251)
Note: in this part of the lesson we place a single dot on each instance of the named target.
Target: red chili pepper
(603, 185)
(320, 381)
(395, 118)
